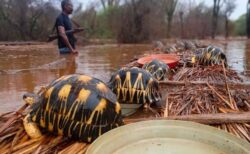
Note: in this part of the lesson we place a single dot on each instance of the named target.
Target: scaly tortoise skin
(157, 68)
(210, 56)
(77, 106)
(135, 86)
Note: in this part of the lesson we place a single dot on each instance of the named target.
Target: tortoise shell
(135, 85)
(157, 68)
(77, 106)
(217, 55)
(211, 56)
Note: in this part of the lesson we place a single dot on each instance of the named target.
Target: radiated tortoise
(135, 87)
(76, 106)
(210, 55)
(158, 69)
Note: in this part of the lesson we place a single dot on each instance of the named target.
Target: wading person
(66, 40)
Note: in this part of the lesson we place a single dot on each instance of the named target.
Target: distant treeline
(128, 21)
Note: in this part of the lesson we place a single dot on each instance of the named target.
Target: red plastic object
(170, 59)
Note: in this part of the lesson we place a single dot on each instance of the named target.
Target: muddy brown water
(27, 68)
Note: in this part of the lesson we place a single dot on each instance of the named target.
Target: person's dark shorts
(64, 50)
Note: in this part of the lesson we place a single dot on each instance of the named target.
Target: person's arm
(62, 33)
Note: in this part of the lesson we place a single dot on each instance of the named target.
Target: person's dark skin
(67, 10)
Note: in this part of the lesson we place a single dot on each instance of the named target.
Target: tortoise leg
(148, 107)
(42, 89)
(31, 128)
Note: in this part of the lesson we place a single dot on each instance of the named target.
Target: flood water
(27, 68)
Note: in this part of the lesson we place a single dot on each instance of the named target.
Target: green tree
(240, 26)
(105, 22)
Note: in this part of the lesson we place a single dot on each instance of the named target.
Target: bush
(105, 23)
(240, 26)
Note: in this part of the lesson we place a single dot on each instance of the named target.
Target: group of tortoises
(83, 107)
(203, 55)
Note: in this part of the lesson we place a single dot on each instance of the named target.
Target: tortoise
(170, 49)
(183, 45)
(77, 106)
(135, 86)
(198, 56)
(210, 55)
(157, 68)
(158, 46)
(180, 46)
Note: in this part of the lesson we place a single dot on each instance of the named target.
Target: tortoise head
(193, 60)
(30, 98)
(158, 46)
(197, 55)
